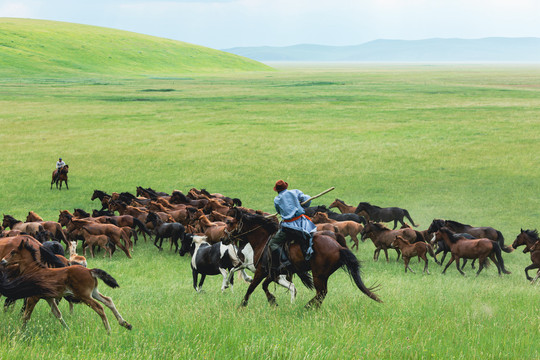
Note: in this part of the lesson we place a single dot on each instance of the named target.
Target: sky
(223, 24)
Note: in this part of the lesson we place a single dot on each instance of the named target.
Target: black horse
(378, 214)
(103, 197)
(310, 211)
(163, 230)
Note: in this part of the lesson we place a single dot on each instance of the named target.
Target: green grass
(51, 49)
(454, 142)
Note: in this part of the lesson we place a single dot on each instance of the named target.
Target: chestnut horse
(62, 177)
(77, 281)
(530, 239)
(479, 249)
(342, 206)
(383, 237)
(346, 228)
(327, 258)
(409, 251)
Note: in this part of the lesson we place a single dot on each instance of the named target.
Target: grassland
(49, 49)
(457, 142)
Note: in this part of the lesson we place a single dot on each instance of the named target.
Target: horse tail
(307, 280)
(500, 241)
(352, 266)
(341, 239)
(498, 254)
(105, 277)
(138, 223)
(409, 217)
(432, 253)
(26, 285)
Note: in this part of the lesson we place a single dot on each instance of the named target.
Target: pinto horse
(530, 239)
(328, 256)
(479, 249)
(378, 214)
(77, 281)
(62, 177)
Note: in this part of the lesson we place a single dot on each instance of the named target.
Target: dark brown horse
(477, 232)
(59, 176)
(378, 214)
(530, 239)
(78, 281)
(328, 257)
(479, 249)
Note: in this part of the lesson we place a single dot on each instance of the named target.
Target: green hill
(50, 48)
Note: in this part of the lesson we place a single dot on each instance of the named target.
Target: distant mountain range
(495, 49)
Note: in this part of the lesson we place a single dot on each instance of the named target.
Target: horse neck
(342, 206)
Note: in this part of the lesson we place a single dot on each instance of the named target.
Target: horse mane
(532, 234)
(450, 234)
(380, 226)
(181, 195)
(267, 224)
(82, 212)
(12, 219)
(341, 201)
(455, 223)
(204, 192)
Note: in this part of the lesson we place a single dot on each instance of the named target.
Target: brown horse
(383, 237)
(62, 177)
(342, 206)
(31, 228)
(54, 228)
(479, 249)
(215, 231)
(530, 239)
(346, 228)
(115, 233)
(328, 257)
(409, 251)
(77, 281)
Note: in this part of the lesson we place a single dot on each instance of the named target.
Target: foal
(74, 258)
(92, 240)
(409, 251)
(77, 281)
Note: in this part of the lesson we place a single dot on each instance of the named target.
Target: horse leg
(457, 265)
(56, 312)
(201, 282)
(282, 280)
(395, 224)
(385, 253)
(464, 263)
(156, 239)
(398, 253)
(94, 305)
(406, 261)
(449, 262)
(30, 305)
(107, 301)
(225, 283)
(257, 278)
(67, 187)
(321, 287)
(472, 264)
(354, 239)
(269, 296)
(530, 267)
(423, 256)
(492, 257)
(482, 262)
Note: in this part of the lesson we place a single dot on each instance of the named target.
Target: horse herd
(223, 237)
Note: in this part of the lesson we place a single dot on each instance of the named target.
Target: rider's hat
(280, 186)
